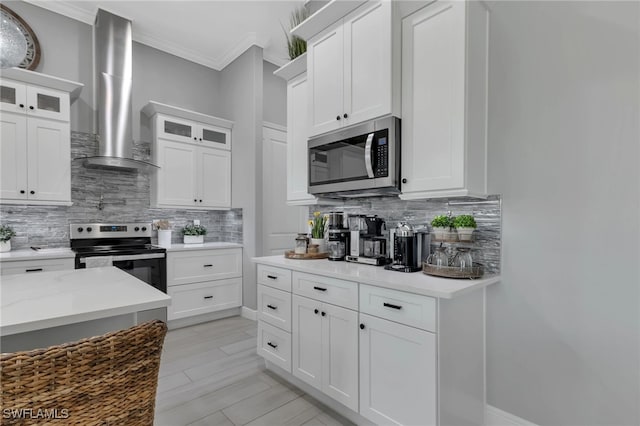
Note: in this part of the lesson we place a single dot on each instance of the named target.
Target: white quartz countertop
(29, 254)
(35, 301)
(416, 282)
(203, 246)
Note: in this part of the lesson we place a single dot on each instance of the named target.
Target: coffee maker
(338, 236)
(366, 243)
(409, 248)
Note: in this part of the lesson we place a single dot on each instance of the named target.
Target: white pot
(441, 232)
(5, 246)
(322, 244)
(465, 234)
(194, 239)
(164, 238)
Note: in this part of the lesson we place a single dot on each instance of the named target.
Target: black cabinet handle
(338, 117)
(200, 200)
(195, 200)
(361, 326)
(34, 270)
(32, 192)
(195, 139)
(404, 180)
(22, 191)
(315, 311)
(272, 307)
(208, 266)
(200, 139)
(208, 297)
(21, 105)
(345, 115)
(319, 288)
(324, 314)
(31, 107)
(271, 277)
(390, 305)
(272, 345)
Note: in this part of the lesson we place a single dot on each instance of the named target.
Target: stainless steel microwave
(358, 161)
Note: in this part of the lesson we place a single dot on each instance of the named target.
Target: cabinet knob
(404, 180)
(21, 105)
(195, 200)
(338, 117)
(200, 139)
(361, 326)
(32, 192)
(22, 191)
(324, 314)
(31, 107)
(200, 200)
(315, 311)
(195, 139)
(345, 115)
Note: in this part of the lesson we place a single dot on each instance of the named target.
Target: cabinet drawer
(406, 308)
(34, 266)
(274, 277)
(203, 265)
(195, 299)
(274, 345)
(274, 307)
(325, 289)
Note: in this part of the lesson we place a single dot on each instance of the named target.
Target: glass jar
(463, 259)
(438, 258)
(301, 244)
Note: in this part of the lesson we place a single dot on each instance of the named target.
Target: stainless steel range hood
(113, 48)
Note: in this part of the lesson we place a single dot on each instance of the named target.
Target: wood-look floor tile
(293, 413)
(215, 419)
(257, 405)
(239, 346)
(172, 381)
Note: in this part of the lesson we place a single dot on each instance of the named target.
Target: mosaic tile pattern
(486, 249)
(109, 196)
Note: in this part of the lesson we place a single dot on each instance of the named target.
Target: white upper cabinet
(193, 152)
(351, 69)
(35, 149)
(444, 95)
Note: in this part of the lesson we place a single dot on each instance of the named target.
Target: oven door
(150, 267)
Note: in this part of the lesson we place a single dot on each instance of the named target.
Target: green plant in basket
(441, 221)
(465, 221)
(194, 230)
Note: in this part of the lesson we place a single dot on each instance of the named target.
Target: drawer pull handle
(272, 345)
(389, 305)
(208, 266)
(272, 277)
(319, 288)
(272, 307)
(34, 270)
(208, 297)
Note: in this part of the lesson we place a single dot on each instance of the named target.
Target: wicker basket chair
(104, 380)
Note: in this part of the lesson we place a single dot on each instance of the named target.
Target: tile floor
(211, 375)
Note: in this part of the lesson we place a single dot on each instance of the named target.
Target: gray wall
(241, 86)
(67, 47)
(274, 103)
(564, 324)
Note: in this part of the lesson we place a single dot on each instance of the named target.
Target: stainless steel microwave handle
(367, 155)
(130, 257)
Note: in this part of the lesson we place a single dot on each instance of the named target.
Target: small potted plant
(465, 225)
(6, 232)
(164, 232)
(194, 234)
(441, 225)
(317, 225)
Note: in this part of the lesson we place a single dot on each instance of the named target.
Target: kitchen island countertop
(37, 301)
(416, 282)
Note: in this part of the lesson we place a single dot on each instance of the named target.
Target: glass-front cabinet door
(47, 103)
(13, 96)
(176, 129)
(215, 137)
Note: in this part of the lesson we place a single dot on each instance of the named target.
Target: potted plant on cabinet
(194, 234)
(317, 225)
(164, 232)
(441, 225)
(6, 232)
(295, 45)
(465, 225)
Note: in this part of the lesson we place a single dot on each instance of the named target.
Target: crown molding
(67, 9)
(176, 50)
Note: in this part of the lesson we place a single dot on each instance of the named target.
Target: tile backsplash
(487, 247)
(109, 196)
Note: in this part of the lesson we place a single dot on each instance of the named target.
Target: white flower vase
(465, 234)
(5, 246)
(322, 245)
(194, 239)
(164, 238)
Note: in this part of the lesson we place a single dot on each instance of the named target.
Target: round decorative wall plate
(32, 57)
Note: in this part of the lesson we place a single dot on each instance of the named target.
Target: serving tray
(476, 271)
(290, 254)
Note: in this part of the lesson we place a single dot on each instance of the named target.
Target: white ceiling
(212, 33)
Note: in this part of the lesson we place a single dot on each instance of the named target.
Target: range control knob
(136, 229)
(80, 229)
(89, 229)
(144, 228)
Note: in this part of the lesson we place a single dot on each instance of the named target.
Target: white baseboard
(249, 313)
(496, 417)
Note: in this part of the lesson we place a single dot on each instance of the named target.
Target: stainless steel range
(126, 246)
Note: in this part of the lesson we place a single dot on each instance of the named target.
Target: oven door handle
(367, 156)
(129, 257)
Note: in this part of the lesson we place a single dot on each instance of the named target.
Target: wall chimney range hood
(113, 46)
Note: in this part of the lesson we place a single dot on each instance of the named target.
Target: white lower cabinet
(397, 373)
(8, 267)
(200, 298)
(325, 348)
(274, 345)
